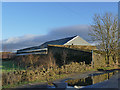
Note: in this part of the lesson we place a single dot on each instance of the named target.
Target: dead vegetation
(43, 68)
(44, 74)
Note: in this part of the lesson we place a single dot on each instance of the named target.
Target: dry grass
(35, 74)
(41, 68)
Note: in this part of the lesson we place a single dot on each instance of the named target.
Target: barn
(43, 48)
(71, 48)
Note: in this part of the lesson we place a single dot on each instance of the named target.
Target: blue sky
(33, 18)
(26, 24)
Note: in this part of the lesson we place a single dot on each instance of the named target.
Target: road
(113, 82)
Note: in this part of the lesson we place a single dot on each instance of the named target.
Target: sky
(32, 23)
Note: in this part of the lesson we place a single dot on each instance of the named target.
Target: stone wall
(98, 59)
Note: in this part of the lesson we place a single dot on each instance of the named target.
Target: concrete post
(92, 59)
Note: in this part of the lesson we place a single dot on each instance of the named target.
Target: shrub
(41, 73)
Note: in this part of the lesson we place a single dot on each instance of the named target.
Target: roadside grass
(51, 79)
(22, 83)
(66, 71)
(26, 76)
(25, 83)
(107, 68)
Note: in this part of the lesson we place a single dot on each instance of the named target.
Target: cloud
(14, 40)
(15, 43)
(81, 30)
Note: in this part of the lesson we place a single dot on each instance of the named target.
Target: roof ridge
(72, 39)
(62, 38)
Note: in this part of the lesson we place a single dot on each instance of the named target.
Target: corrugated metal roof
(30, 48)
(56, 42)
(44, 45)
(75, 40)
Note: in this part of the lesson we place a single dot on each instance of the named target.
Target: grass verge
(8, 66)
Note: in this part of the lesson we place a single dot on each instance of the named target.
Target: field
(8, 66)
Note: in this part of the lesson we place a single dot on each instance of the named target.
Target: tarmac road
(113, 82)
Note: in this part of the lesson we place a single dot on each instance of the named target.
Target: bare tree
(105, 32)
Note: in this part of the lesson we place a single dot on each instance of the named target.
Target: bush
(37, 74)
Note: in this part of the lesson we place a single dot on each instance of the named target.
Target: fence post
(92, 59)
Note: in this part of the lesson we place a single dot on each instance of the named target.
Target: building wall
(69, 54)
(77, 41)
(98, 59)
(78, 53)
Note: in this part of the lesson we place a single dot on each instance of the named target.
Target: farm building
(43, 49)
(71, 48)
